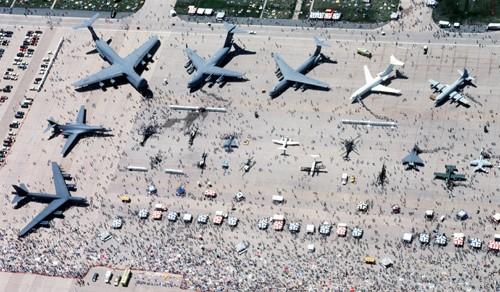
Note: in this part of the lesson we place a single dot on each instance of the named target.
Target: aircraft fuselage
(284, 84)
(445, 94)
(109, 55)
(215, 60)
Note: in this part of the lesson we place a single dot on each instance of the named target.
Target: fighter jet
(57, 203)
(449, 176)
(452, 92)
(287, 76)
(73, 131)
(375, 84)
(198, 109)
(412, 161)
(121, 69)
(316, 166)
(481, 164)
(230, 143)
(285, 142)
(211, 70)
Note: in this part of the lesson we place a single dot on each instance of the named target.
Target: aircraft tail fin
(395, 61)
(88, 24)
(231, 30)
(241, 51)
(390, 67)
(319, 44)
(52, 124)
(465, 75)
(21, 190)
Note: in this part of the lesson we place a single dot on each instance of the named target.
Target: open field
(239, 8)
(108, 5)
(358, 11)
(93, 5)
(34, 3)
(469, 12)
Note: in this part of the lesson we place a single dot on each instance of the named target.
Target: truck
(108, 276)
(444, 24)
(364, 52)
(344, 178)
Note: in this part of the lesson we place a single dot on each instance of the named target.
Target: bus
(126, 277)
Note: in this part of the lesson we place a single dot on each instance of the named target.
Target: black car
(19, 115)
(94, 277)
(7, 88)
(20, 54)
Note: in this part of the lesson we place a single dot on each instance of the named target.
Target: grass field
(279, 9)
(304, 10)
(358, 11)
(239, 8)
(106, 5)
(5, 3)
(467, 11)
(34, 3)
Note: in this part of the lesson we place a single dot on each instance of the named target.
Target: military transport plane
(449, 176)
(57, 203)
(481, 164)
(289, 77)
(316, 167)
(374, 84)
(128, 68)
(451, 92)
(211, 70)
(412, 160)
(73, 131)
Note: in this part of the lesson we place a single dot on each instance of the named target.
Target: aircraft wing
(194, 58)
(69, 142)
(368, 75)
(280, 142)
(291, 75)
(293, 143)
(218, 71)
(457, 97)
(61, 188)
(80, 118)
(105, 74)
(385, 89)
(436, 85)
(51, 208)
(440, 175)
(138, 55)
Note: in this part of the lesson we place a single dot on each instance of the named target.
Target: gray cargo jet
(289, 77)
(73, 131)
(121, 70)
(210, 71)
(452, 92)
(57, 203)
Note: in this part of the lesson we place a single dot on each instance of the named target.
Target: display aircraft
(74, 131)
(315, 168)
(285, 142)
(452, 92)
(449, 176)
(198, 109)
(121, 70)
(211, 71)
(230, 143)
(374, 84)
(481, 164)
(412, 160)
(56, 203)
(288, 76)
